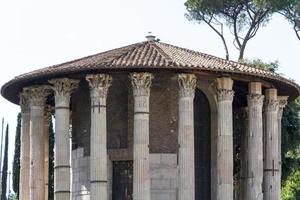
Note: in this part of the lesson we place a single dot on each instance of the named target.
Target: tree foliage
(291, 187)
(16, 161)
(242, 17)
(291, 11)
(290, 138)
(5, 166)
(258, 63)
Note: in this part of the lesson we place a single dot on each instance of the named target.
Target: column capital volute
(224, 89)
(38, 94)
(141, 83)
(271, 104)
(271, 101)
(282, 102)
(25, 100)
(255, 100)
(187, 85)
(63, 88)
(99, 84)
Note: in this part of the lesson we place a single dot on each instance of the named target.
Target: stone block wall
(163, 173)
(80, 175)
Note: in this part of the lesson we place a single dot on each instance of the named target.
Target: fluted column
(37, 102)
(224, 139)
(186, 156)
(244, 113)
(254, 156)
(99, 85)
(271, 163)
(282, 100)
(141, 83)
(47, 119)
(62, 170)
(25, 146)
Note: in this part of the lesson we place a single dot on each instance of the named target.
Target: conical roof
(148, 55)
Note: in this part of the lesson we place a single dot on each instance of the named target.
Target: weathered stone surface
(224, 139)
(99, 85)
(25, 146)
(141, 83)
(254, 155)
(186, 159)
(38, 97)
(62, 171)
(271, 145)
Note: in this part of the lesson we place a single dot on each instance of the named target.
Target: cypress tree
(4, 168)
(51, 162)
(16, 162)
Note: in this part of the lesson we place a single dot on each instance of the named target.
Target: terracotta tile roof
(149, 55)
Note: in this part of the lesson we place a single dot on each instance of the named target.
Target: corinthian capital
(225, 95)
(282, 101)
(24, 100)
(63, 88)
(38, 95)
(141, 83)
(271, 104)
(99, 84)
(224, 89)
(187, 85)
(255, 99)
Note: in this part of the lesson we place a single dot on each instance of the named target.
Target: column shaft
(186, 156)
(254, 156)
(47, 119)
(224, 139)
(141, 83)
(25, 147)
(243, 154)
(99, 85)
(62, 169)
(282, 103)
(271, 163)
(37, 177)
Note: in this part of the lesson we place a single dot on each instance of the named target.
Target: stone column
(99, 85)
(243, 154)
(62, 170)
(254, 156)
(47, 120)
(141, 83)
(186, 156)
(37, 103)
(25, 146)
(271, 163)
(282, 100)
(224, 139)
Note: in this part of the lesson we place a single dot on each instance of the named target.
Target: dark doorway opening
(122, 180)
(202, 146)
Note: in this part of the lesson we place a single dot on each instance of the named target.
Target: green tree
(290, 139)
(51, 162)
(292, 13)
(242, 18)
(291, 187)
(16, 162)
(5, 165)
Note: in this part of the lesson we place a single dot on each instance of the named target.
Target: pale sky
(39, 33)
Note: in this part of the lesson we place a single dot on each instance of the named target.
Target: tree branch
(220, 34)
